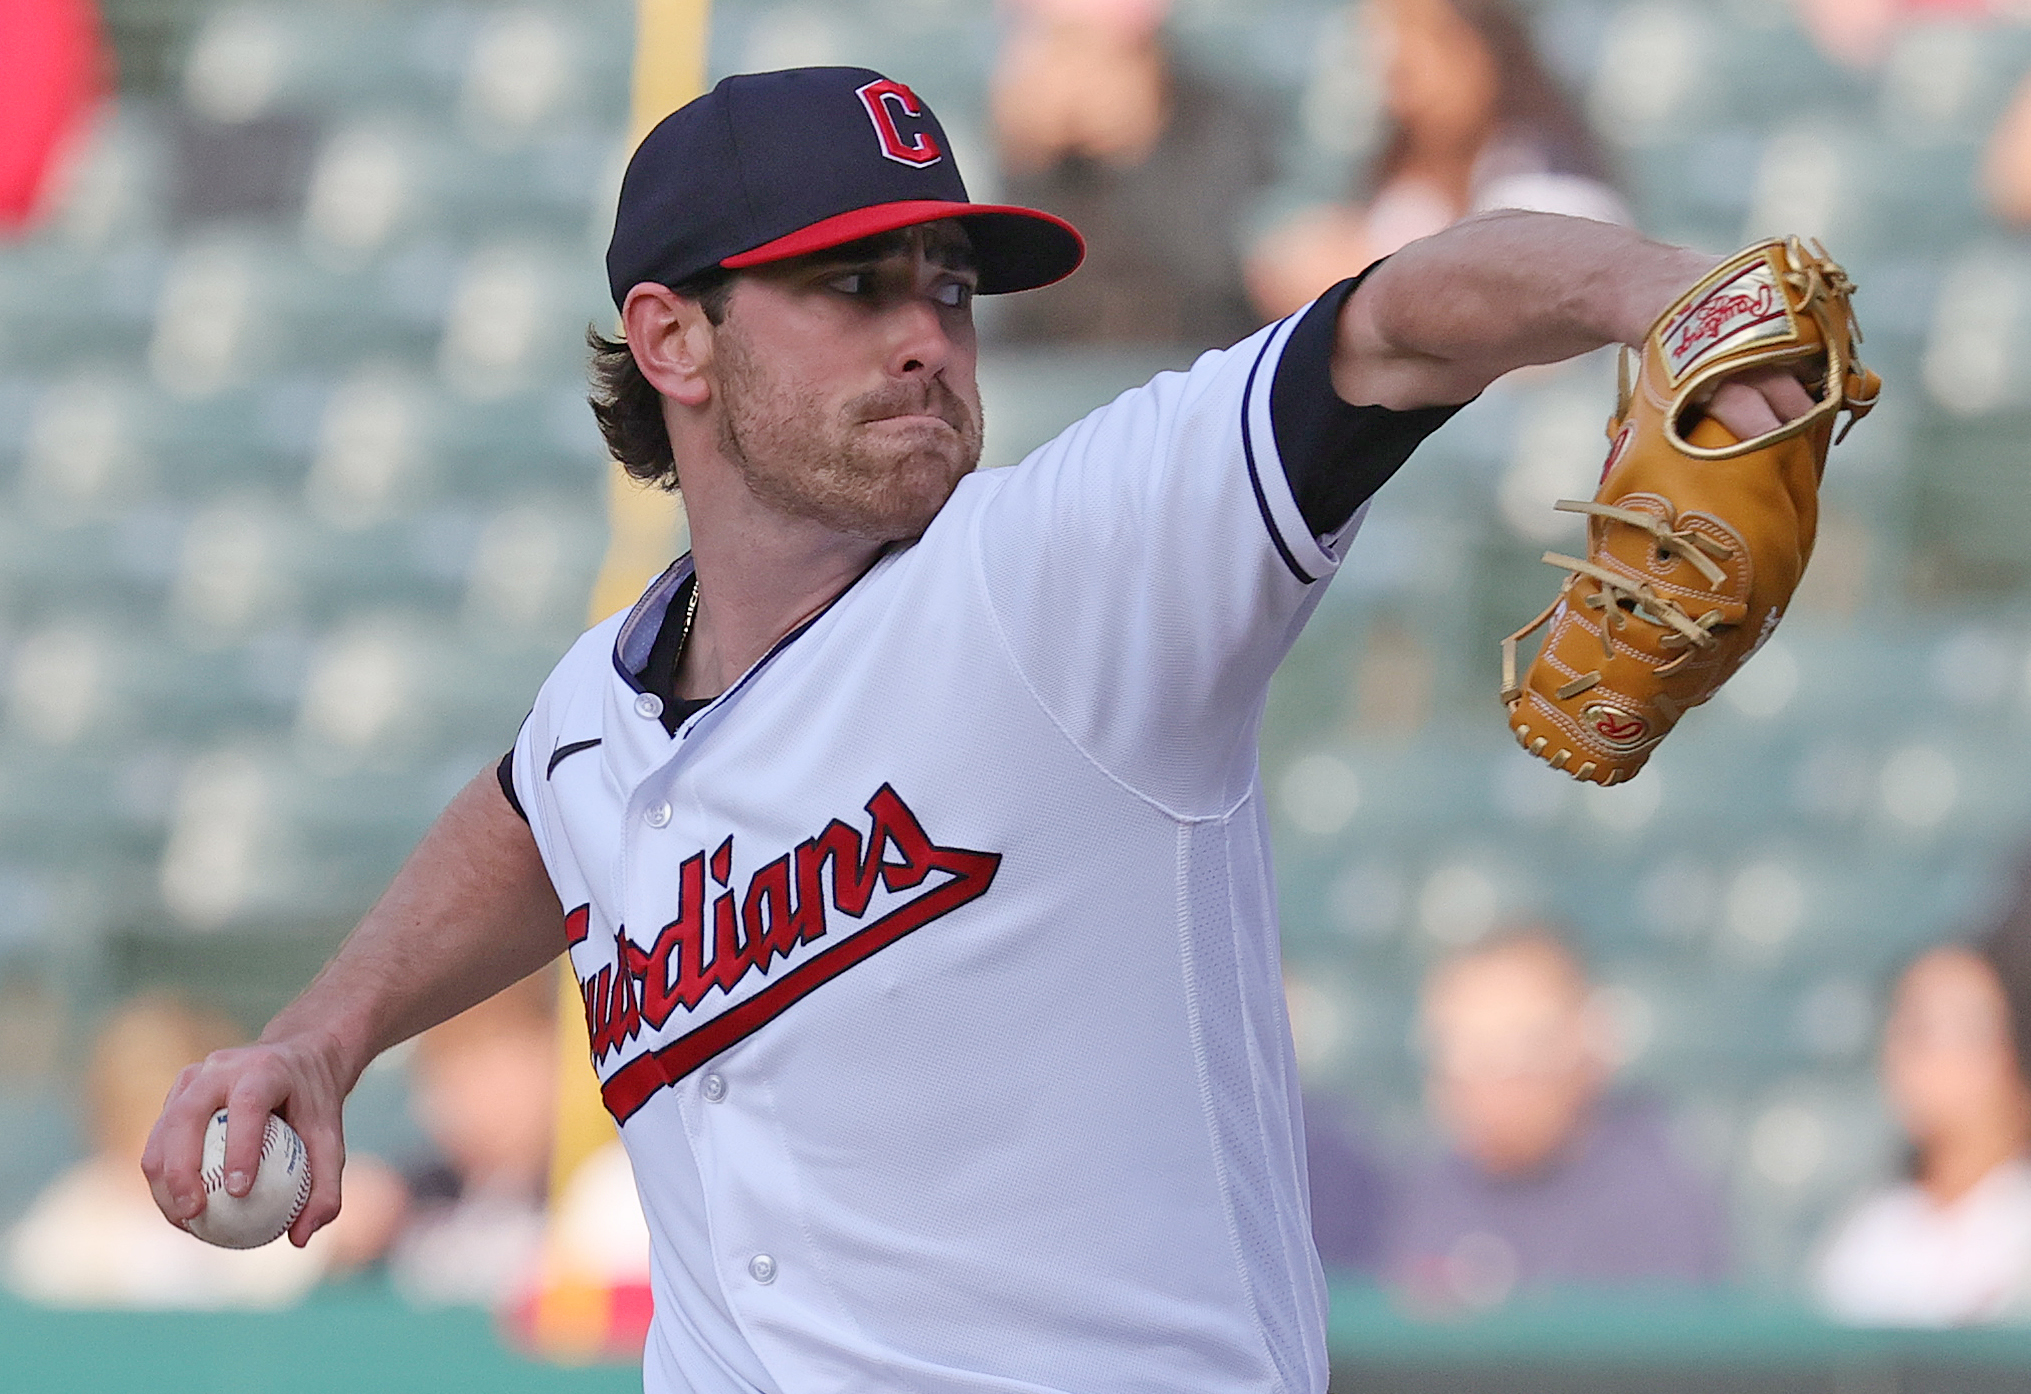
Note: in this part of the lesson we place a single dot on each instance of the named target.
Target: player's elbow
(1387, 352)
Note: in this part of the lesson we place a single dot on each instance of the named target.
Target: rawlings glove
(1695, 541)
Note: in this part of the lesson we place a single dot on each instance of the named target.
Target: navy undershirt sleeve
(1334, 454)
(505, 772)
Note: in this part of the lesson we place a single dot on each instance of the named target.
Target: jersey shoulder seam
(1001, 640)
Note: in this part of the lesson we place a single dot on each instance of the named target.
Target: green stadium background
(299, 500)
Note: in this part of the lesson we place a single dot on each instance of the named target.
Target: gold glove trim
(1755, 296)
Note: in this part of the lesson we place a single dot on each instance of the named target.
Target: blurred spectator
(1853, 32)
(590, 1298)
(56, 71)
(1548, 1180)
(2006, 164)
(1349, 1192)
(1097, 122)
(1858, 32)
(483, 1087)
(94, 1238)
(1474, 122)
(1952, 1244)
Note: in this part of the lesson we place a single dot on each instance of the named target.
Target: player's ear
(671, 338)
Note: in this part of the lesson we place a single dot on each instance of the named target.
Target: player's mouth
(914, 418)
(914, 407)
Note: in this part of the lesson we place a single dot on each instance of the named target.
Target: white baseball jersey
(932, 970)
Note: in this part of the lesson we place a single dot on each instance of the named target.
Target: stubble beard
(821, 463)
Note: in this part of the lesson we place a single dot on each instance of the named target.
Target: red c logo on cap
(920, 149)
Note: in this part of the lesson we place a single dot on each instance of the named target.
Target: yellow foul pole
(645, 530)
(646, 526)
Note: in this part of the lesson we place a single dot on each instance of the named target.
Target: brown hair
(1528, 101)
(627, 405)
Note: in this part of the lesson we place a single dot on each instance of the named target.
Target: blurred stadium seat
(298, 491)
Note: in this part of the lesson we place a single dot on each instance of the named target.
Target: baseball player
(907, 836)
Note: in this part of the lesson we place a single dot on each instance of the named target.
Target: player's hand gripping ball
(1695, 540)
(265, 1213)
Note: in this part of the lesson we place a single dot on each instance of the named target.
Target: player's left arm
(1450, 313)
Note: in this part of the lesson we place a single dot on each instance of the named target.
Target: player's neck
(760, 575)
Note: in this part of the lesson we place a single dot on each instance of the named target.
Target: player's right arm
(471, 911)
(1450, 313)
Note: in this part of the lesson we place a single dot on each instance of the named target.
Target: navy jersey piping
(1335, 455)
(504, 775)
(564, 752)
(673, 580)
(1254, 477)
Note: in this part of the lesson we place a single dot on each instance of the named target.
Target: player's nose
(921, 341)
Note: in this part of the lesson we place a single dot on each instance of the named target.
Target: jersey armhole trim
(1296, 547)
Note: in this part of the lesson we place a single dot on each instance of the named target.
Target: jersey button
(715, 1089)
(762, 1268)
(657, 815)
(648, 706)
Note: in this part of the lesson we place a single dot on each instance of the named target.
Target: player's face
(847, 385)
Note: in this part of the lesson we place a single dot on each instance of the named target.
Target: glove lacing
(1619, 597)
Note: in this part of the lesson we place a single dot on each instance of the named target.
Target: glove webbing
(1825, 291)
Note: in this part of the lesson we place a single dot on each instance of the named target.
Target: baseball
(264, 1214)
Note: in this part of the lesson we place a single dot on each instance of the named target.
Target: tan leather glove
(1695, 541)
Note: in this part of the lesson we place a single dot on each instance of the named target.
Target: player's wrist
(333, 1054)
(1649, 285)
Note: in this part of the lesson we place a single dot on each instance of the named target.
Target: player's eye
(954, 295)
(852, 282)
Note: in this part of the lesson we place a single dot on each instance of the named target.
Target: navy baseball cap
(768, 166)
